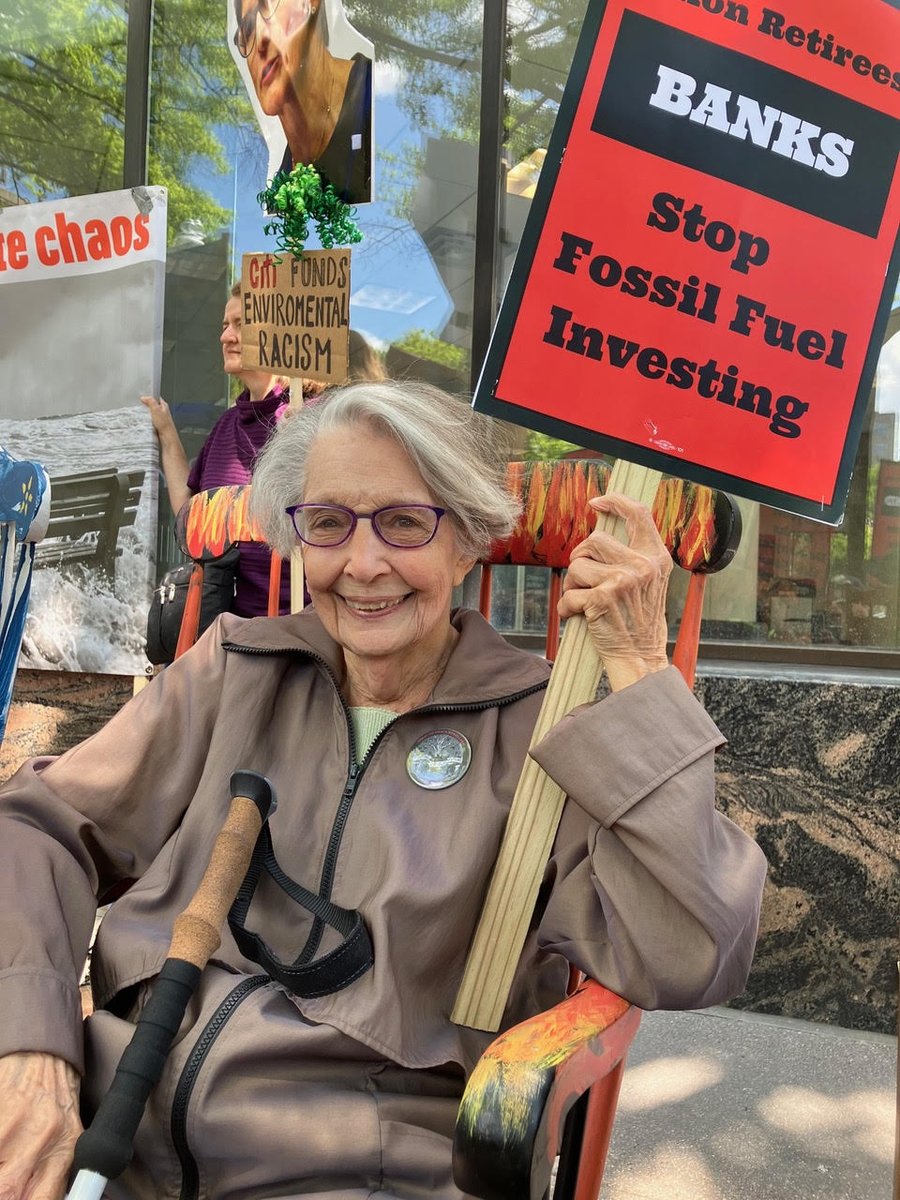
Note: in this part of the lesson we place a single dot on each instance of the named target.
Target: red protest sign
(711, 254)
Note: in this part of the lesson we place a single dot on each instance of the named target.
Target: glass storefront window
(795, 584)
(204, 147)
(412, 276)
(519, 600)
(62, 98)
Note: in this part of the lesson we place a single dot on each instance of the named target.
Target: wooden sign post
(702, 288)
(295, 321)
(536, 807)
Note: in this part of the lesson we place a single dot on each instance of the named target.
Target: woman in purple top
(228, 455)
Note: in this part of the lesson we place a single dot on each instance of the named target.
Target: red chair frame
(549, 1086)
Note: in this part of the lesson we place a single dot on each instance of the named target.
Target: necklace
(251, 431)
(327, 123)
(261, 418)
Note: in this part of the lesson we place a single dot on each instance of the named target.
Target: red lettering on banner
(48, 256)
(141, 231)
(67, 241)
(13, 251)
(71, 242)
(120, 228)
(263, 273)
(98, 245)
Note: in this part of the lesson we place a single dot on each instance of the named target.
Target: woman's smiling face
(375, 600)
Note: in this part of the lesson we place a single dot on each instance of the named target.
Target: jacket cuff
(41, 1012)
(609, 755)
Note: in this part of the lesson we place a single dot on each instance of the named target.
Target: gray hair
(456, 451)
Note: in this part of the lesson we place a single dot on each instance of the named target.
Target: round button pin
(439, 759)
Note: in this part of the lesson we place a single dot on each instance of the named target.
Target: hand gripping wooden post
(104, 1149)
(537, 806)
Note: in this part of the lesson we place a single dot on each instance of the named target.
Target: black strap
(330, 973)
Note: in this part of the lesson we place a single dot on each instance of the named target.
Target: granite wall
(812, 771)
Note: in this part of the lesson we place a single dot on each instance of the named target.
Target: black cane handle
(106, 1146)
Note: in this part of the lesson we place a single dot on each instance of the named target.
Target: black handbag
(167, 606)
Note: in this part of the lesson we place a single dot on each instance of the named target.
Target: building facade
(801, 638)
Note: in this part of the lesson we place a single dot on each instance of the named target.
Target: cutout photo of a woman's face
(309, 77)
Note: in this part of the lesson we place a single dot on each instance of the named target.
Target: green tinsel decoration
(294, 198)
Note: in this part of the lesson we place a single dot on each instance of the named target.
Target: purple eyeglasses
(403, 526)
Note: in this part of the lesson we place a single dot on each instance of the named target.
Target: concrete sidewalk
(727, 1105)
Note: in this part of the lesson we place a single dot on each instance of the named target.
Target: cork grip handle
(196, 933)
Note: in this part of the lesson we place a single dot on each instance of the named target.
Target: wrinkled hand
(160, 414)
(39, 1125)
(620, 589)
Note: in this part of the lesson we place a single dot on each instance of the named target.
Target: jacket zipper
(190, 1175)
(328, 867)
(356, 770)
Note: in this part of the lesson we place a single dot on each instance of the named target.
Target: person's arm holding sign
(620, 589)
(173, 460)
(675, 887)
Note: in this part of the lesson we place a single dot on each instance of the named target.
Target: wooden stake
(296, 393)
(536, 807)
(297, 582)
(297, 600)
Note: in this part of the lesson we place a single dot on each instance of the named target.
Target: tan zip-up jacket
(648, 889)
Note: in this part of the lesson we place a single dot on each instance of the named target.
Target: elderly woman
(394, 731)
(324, 103)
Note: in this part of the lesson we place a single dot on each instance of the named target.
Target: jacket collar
(481, 667)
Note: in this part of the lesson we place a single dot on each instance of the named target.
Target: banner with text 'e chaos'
(82, 283)
(709, 261)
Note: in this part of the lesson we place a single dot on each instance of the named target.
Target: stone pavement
(728, 1105)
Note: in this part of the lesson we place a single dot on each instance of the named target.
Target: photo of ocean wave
(78, 618)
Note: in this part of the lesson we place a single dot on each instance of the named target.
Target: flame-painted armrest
(512, 1113)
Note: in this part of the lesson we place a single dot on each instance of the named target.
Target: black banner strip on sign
(699, 104)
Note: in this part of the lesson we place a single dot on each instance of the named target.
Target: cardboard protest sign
(81, 290)
(296, 314)
(710, 257)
